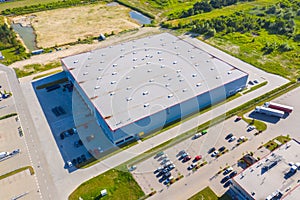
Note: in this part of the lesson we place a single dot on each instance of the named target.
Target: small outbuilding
(103, 193)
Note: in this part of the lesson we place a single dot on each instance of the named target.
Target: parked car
(187, 158)
(159, 154)
(250, 128)
(181, 152)
(184, 155)
(222, 149)
(170, 167)
(232, 174)
(226, 178)
(228, 170)
(192, 166)
(238, 118)
(211, 150)
(198, 158)
(215, 153)
(228, 136)
(159, 169)
(168, 180)
(197, 135)
(204, 132)
(241, 139)
(232, 139)
(166, 175)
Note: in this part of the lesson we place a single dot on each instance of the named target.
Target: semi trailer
(269, 111)
(278, 106)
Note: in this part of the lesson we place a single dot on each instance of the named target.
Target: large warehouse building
(137, 87)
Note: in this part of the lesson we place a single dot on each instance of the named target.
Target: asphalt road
(46, 187)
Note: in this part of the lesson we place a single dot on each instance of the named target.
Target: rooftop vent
(146, 105)
(145, 43)
(76, 61)
(89, 58)
(145, 93)
(184, 90)
(99, 78)
(114, 65)
(178, 70)
(122, 56)
(229, 72)
(198, 84)
(102, 54)
(149, 70)
(167, 85)
(162, 66)
(100, 69)
(176, 47)
(148, 63)
(114, 73)
(97, 87)
(177, 54)
(181, 80)
(122, 49)
(128, 77)
(169, 79)
(194, 75)
(175, 62)
(87, 65)
(113, 82)
(178, 75)
(147, 49)
(134, 46)
(134, 52)
(165, 75)
(170, 95)
(134, 59)
(212, 68)
(196, 65)
(160, 59)
(134, 67)
(159, 52)
(218, 77)
(128, 88)
(112, 93)
(102, 61)
(128, 99)
(151, 80)
(110, 46)
(192, 57)
(85, 73)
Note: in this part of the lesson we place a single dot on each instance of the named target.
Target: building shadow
(264, 117)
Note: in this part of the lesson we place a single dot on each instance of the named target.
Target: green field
(208, 194)
(120, 185)
(22, 3)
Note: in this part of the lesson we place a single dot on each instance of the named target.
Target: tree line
(7, 37)
(208, 5)
(48, 6)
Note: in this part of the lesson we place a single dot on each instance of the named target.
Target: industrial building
(137, 87)
(273, 177)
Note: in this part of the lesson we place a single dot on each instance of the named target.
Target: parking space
(19, 186)
(75, 130)
(194, 151)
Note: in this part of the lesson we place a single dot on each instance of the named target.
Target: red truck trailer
(278, 106)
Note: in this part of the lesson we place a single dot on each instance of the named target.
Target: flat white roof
(129, 81)
(261, 183)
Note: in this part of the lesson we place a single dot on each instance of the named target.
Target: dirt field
(67, 25)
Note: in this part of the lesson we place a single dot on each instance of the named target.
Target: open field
(81, 22)
(21, 3)
(119, 185)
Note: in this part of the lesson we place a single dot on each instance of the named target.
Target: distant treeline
(48, 6)
(208, 5)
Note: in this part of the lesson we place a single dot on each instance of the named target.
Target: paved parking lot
(215, 137)
(75, 130)
(12, 139)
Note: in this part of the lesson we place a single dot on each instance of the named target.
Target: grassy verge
(272, 145)
(208, 194)
(120, 185)
(259, 125)
(35, 68)
(256, 87)
(8, 116)
(63, 80)
(47, 74)
(17, 171)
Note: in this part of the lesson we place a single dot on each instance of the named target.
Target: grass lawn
(256, 87)
(120, 185)
(47, 74)
(35, 68)
(208, 194)
(17, 171)
(260, 126)
(271, 145)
